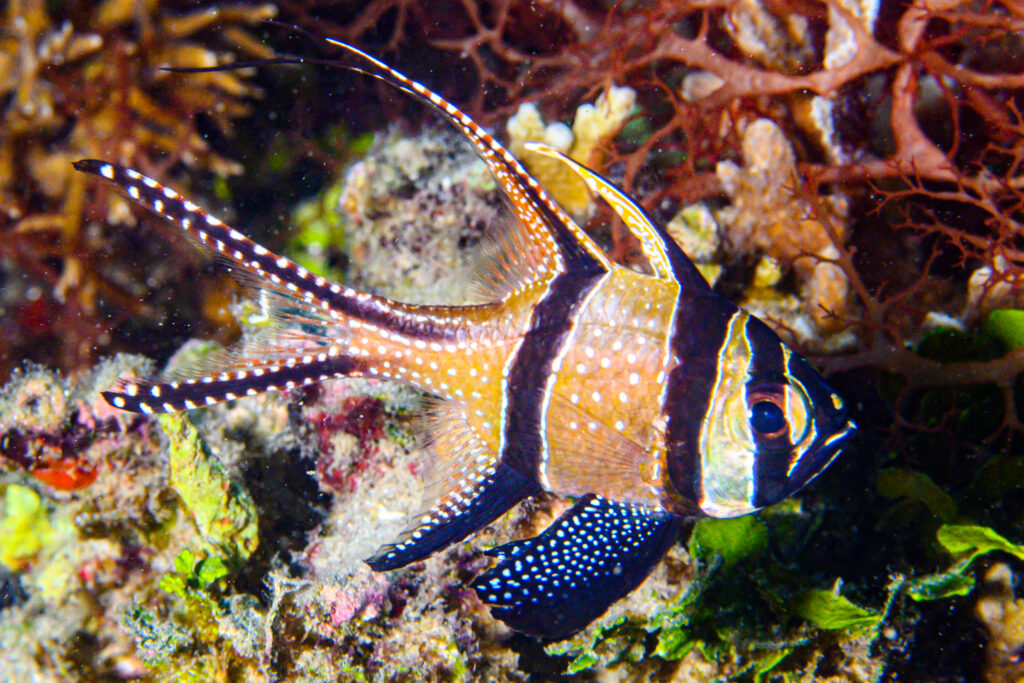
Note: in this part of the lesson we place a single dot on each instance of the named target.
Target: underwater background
(852, 172)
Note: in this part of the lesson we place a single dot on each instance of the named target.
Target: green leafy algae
(970, 542)
(731, 539)
(831, 611)
(1006, 325)
(193, 573)
(966, 543)
(895, 483)
(208, 634)
(222, 510)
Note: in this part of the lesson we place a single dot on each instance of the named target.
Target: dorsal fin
(565, 246)
(666, 258)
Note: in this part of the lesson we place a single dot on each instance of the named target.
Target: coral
(593, 127)
(395, 223)
(54, 430)
(1003, 616)
(222, 509)
(766, 217)
(26, 528)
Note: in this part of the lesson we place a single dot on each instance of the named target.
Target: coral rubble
(766, 217)
(593, 126)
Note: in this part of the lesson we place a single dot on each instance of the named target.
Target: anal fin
(468, 488)
(489, 498)
(556, 583)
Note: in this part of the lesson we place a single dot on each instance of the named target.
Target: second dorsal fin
(666, 258)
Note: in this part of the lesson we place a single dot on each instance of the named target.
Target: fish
(645, 398)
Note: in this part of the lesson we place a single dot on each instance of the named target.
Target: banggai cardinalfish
(646, 398)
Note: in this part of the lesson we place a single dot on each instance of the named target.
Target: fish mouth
(804, 469)
(823, 450)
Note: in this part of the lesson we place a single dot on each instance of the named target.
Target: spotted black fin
(295, 345)
(555, 584)
(457, 516)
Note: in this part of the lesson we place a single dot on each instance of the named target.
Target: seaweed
(80, 80)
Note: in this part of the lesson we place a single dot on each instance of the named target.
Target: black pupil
(766, 417)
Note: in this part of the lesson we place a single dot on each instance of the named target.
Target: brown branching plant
(97, 92)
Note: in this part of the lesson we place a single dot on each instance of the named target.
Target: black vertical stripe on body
(701, 325)
(552, 321)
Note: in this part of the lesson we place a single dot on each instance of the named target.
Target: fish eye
(766, 417)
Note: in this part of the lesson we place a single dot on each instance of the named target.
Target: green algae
(192, 574)
(830, 611)
(728, 539)
(25, 527)
(207, 635)
(898, 483)
(320, 233)
(1006, 325)
(223, 511)
(965, 543)
(34, 533)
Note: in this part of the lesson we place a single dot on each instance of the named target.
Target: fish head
(772, 423)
